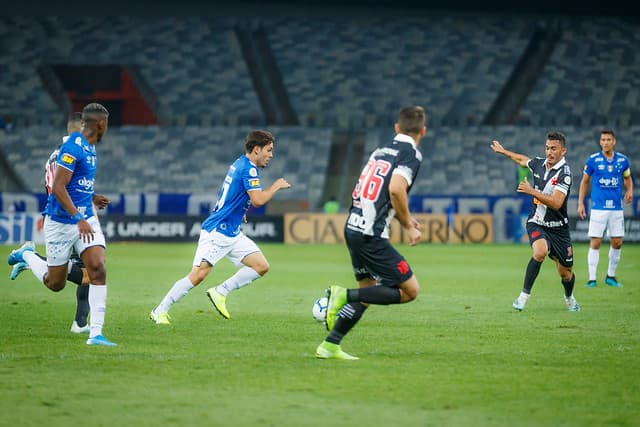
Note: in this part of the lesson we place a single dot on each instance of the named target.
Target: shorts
(558, 241)
(213, 246)
(612, 221)
(61, 240)
(374, 257)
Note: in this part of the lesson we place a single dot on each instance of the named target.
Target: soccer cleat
(591, 284)
(160, 318)
(337, 296)
(17, 269)
(100, 340)
(572, 304)
(611, 281)
(219, 302)
(16, 255)
(79, 329)
(327, 350)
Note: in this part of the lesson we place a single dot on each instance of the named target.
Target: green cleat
(160, 318)
(219, 302)
(327, 350)
(337, 296)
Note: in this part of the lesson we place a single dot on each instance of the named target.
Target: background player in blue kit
(221, 236)
(77, 273)
(384, 277)
(608, 172)
(70, 222)
(548, 222)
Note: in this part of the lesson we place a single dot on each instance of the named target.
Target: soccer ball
(319, 309)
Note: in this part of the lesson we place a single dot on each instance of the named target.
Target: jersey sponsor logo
(608, 182)
(86, 183)
(254, 182)
(357, 221)
(68, 159)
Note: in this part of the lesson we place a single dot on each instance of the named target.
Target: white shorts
(60, 239)
(213, 246)
(612, 221)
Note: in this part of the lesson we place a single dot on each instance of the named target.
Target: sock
(593, 257)
(243, 277)
(36, 263)
(380, 295)
(346, 320)
(74, 273)
(614, 259)
(97, 307)
(523, 297)
(82, 307)
(177, 291)
(568, 285)
(533, 268)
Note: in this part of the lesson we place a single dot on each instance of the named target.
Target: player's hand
(525, 187)
(282, 183)
(497, 147)
(415, 223)
(628, 197)
(582, 214)
(100, 201)
(86, 231)
(414, 236)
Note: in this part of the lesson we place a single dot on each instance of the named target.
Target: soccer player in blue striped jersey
(608, 172)
(70, 222)
(221, 236)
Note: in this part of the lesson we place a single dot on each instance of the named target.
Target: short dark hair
(92, 111)
(412, 119)
(75, 117)
(258, 138)
(557, 136)
(607, 131)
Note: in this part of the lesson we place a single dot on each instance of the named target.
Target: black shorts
(558, 241)
(374, 257)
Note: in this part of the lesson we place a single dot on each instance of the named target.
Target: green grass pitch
(457, 356)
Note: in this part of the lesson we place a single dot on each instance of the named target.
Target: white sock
(38, 265)
(524, 297)
(97, 308)
(614, 259)
(177, 291)
(243, 277)
(593, 257)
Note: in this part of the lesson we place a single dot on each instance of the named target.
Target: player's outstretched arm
(520, 159)
(584, 185)
(261, 197)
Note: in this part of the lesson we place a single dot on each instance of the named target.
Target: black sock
(82, 308)
(380, 295)
(533, 268)
(568, 285)
(75, 275)
(346, 319)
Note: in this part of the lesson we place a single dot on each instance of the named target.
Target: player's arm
(59, 189)
(584, 187)
(398, 196)
(261, 197)
(553, 200)
(627, 182)
(520, 159)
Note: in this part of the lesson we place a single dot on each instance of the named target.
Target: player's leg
(597, 225)
(206, 256)
(93, 257)
(539, 250)
(561, 251)
(245, 254)
(79, 275)
(615, 230)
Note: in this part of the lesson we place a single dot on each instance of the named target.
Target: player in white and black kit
(548, 222)
(384, 277)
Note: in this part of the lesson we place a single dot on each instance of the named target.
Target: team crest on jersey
(254, 182)
(67, 159)
(610, 168)
(554, 180)
(253, 172)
